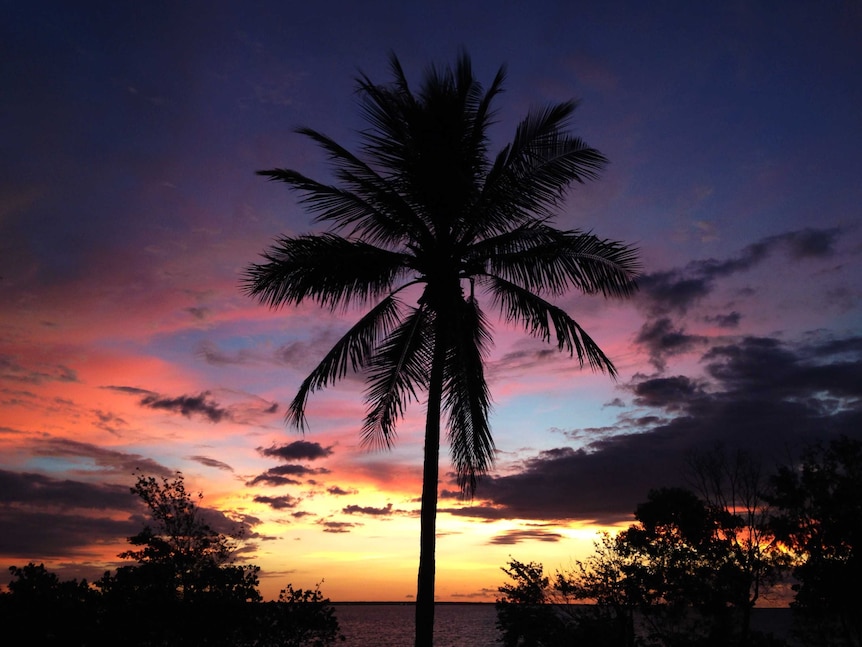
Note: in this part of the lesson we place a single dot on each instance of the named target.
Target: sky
(129, 208)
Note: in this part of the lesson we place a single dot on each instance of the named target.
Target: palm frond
(467, 399)
(544, 320)
(542, 258)
(399, 367)
(327, 268)
(386, 217)
(353, 350)
(531, 175)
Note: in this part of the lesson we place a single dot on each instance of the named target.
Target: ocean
(466, 625)
(392, 625)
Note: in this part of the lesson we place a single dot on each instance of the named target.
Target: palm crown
(424, 204)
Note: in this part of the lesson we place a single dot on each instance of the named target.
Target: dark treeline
(696, 561)
(182, 589)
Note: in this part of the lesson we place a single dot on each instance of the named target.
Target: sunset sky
(129, 208)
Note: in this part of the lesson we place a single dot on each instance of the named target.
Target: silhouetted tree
(607, 579)
(49, 611)
(819, 517)
(677, 576)
(184, 591)
(424, 205)
(523, 616)
(180, 556)
(733, 486)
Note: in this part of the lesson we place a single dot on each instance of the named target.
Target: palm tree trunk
(428, 514)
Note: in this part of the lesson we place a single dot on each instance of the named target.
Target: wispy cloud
(212, 462)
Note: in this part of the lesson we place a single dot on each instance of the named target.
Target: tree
(606, 579)
(180, 556)
(523, 617)
(423, 210)
(733, 486)
(819, 518)
(183, 590)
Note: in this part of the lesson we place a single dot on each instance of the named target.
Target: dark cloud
(662, 340)
(808, 243)
(277, 475)
(108, 461)
(761, 395)
(671, 291)
(278, 502)
(38, 535)
(369, 510)
(729, 320)
(272, 479)
(43, 518)
(337, 491)
(488, 512)
(187, 405)
(336, 526)
(516, 536)
(669, 393)
(129, 390)
(678, 289)
(296, 451)
(30, 489)
(211, 462)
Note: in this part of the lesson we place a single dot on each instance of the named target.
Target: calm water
(466, 625)
(391, 625)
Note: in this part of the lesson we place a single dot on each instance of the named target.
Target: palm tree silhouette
(420, 222)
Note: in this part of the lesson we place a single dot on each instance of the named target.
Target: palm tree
(423, 211)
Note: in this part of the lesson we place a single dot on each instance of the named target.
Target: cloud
(32, 535)
(488, 512)
(109, 422)
(130, 390)
(297, 450)
(40, 373)
(278, 502)
(277, 475)
(369, 510)
(48, 517)
(758, 394)
(188, 405)
(272, 479)
(517, 536)
(337, 491)
(211, 462)
(29, 489)
(336, 526)
(729, 320)
(662, 339)
(110, 462)
(678, 289)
